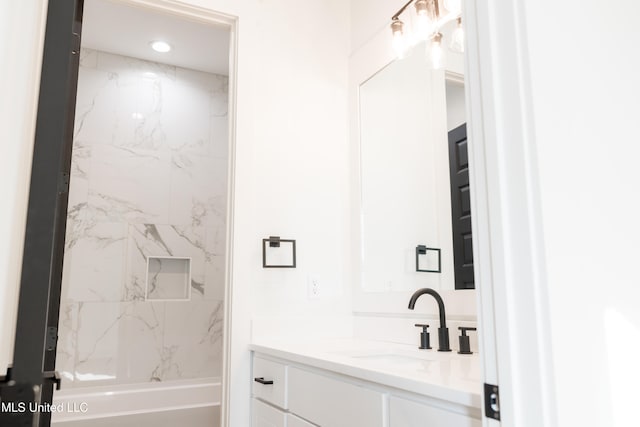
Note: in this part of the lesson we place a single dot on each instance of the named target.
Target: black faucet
(443, 331)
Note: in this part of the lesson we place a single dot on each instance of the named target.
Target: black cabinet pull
(261, 380)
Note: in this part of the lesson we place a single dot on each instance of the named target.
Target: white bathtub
(192, 403)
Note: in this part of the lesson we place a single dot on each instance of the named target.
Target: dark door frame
(31, 378)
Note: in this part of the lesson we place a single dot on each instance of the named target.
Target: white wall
(290, 166)
(292, 145)
(586, 96)
(368, 17)
(456, 109)
(291, 158)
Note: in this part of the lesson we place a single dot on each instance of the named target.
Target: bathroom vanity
(355, 383)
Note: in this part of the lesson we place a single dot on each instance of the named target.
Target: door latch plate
(492, 401)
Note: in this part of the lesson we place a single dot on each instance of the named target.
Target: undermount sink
(400, 359)
(406, 359)
(415, 362)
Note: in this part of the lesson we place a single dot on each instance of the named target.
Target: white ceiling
(112, 26)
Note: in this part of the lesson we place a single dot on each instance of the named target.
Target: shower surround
(149, 179)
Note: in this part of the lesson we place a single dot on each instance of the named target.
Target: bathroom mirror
(406, 110)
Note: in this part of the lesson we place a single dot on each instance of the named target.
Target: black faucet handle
(424, 336)
(465, 346)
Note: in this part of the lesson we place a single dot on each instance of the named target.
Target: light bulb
(423, 28)
(399, 39)
(436, 53)
(457, 38)
(453, 6)
(423, 21)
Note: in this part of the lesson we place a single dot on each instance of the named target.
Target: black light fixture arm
(398, 13)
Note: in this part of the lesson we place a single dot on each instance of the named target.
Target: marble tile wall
(148, 178)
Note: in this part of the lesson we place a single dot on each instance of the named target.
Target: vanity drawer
(266, 371)
(293, 421)
(263, 415)
(407, 413)
(329, 402)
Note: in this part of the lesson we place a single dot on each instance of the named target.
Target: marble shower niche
(143, 279)
(168, 278)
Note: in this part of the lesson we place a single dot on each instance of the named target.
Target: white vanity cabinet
(263, 415)
(306, 396)
(274, 373)
(329, 401)
(293, 421)
(407, 413)
(289, 395)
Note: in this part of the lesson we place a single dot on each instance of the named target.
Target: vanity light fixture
(453, 6)
(399, 41)
(425, 16)
(431, 16)
(457, 38)
(436, 53)
(160, 46)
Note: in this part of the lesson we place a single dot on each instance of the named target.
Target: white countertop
(448, 376)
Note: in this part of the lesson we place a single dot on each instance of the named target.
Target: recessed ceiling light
(160, 46)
